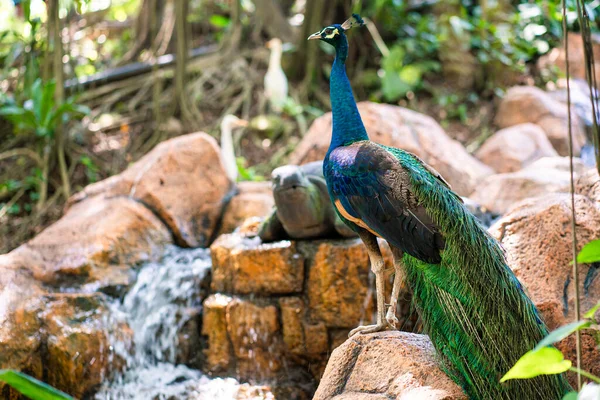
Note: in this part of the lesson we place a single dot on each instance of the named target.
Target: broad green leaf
(570, 396)
(592, 311)
(590, 252)
(47, 103)
(545, 361)
(31, 387)
(393, 87)
(12, 111)
(560, 333)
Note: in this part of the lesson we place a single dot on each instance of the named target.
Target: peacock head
(335, 34)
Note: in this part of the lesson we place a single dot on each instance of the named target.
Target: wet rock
(253, 330)
(497, 193)
(386, 365)
(406, 129)
(254, 199)
(512, 149)
(96, 243)
(62, 339)
(338, 283)
(79, 355)
(529, 104)
(219, 354)
(536, 234)
(182, 180)
(243, 266)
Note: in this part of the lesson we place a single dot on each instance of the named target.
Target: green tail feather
(474, 309)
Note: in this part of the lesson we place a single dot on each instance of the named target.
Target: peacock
(228, 123)
(475, 311)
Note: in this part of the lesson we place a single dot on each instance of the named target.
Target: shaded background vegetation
(89, 86)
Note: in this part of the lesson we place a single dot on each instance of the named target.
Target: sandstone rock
(556, 57)
(243, 265)
(406, 129)
(253, 330)
(93, 235)
(254, 199)
(497, 193)
(62, 339)
(511, 149)
(79, 355)
(338, 284)
(182, 180)
(386, 365)
(302, 338)
(523, 104)
(219, 357)
(588, 185)
(536, 234)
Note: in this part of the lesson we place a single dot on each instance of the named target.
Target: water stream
(156, 309)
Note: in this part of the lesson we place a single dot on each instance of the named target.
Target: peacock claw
(367, 329)
(391, 319)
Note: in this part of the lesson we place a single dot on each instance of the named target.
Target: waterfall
(156, 309)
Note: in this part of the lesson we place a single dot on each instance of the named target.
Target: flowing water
(156, 309)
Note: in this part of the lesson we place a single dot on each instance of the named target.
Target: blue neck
(347, 124)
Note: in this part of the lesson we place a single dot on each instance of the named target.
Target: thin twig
(22, 152)
(11, 202)
(573, 212)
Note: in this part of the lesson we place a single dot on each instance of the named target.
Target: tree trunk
(59, 94)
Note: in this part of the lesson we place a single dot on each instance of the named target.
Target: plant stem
(585, 373)
(59, 94)
(573, 212)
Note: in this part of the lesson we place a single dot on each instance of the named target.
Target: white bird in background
(276, 84)
(228, 123)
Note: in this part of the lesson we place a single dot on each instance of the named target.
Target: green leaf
(219, 21)
(545, 361)
(560, 333)
(411, 74)
(590, 252)
(570, 396)
(31, 387)
(592, 311)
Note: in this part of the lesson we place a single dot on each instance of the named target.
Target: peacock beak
(316, 35)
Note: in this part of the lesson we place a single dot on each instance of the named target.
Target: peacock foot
(391, 319)
(367, 329)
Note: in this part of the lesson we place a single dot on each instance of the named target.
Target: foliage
(31, 387)
(247, 173)
(40, 115)
(590, 252)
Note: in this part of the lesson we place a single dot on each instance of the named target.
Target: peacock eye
(328, 31)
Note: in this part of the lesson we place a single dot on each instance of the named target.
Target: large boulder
(253, 199)
(497, 193)
(529, 104)
(537, 236)
(405, 129)
(386, 365)
(182, 180)
(96, 242)
(512, 149)
(64, 340)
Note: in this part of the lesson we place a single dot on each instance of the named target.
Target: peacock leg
(377, 266)
(399, 282)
